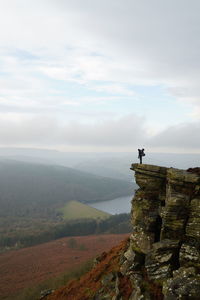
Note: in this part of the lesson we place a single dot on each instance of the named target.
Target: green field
(75, 210)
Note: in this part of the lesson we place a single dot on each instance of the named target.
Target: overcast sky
(100, 75)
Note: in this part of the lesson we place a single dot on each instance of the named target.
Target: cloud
(182, 136)
(60, 59)
(137, 42)
(123, 132)
(126, 131)
(116, 89)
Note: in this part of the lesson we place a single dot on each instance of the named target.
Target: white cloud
(106, 47)
(122, 132)
(114, 89)
(183, 136)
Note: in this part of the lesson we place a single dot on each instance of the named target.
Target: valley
(37, 200)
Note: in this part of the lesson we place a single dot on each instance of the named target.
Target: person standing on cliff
(141, 154)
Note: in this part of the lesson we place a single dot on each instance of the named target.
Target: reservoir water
(115, 206)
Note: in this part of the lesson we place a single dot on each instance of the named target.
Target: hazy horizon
(111, 164)
(134, 150)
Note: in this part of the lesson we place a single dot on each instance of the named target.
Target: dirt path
(29, 266)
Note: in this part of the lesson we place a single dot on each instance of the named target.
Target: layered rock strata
(166, 228)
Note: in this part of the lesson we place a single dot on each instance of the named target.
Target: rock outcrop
(166, 228)
(161, 259)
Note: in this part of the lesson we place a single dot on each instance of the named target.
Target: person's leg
(140, 159)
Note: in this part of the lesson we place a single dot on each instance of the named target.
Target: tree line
(114, 224)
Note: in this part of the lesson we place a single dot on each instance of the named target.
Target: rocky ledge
(161, 259)
(166, 228)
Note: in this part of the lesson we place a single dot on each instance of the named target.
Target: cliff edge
(161, 259)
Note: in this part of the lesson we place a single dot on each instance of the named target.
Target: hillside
(26, 268)
(36, 190)
(161, 259)
(75, 210)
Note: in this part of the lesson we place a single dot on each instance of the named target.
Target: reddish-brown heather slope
(91, 282)
(29, 266)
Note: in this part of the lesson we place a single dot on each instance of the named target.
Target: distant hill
(36, 190)
(114, 165)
